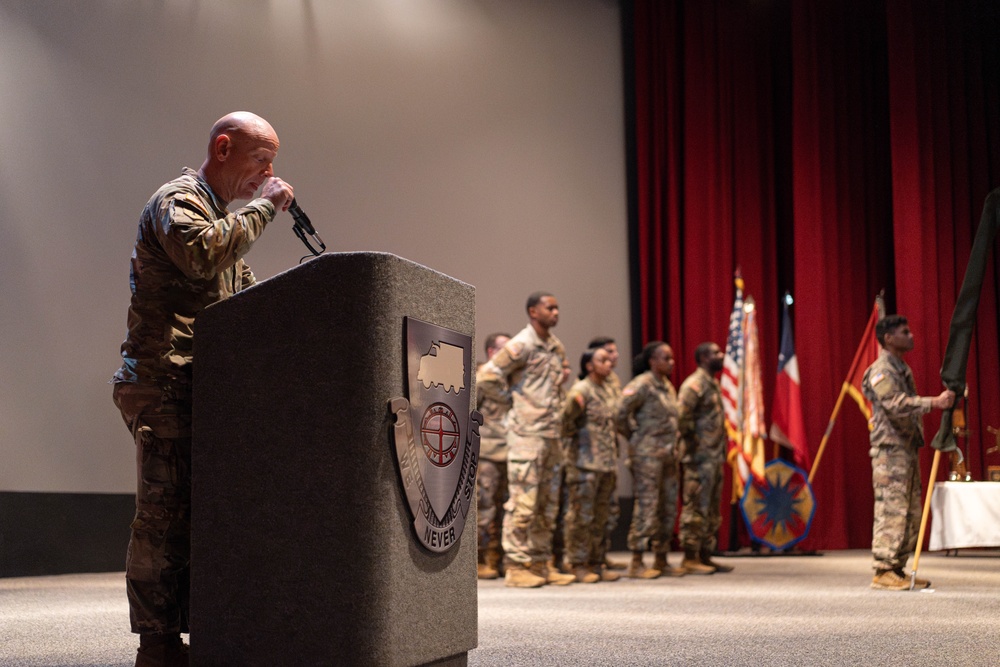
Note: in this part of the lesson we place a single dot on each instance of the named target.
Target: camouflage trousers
(533, 466)
(491, 484)
(157, 564)
(701, 515)
(656, 483)
(896, 483)
(588, 503)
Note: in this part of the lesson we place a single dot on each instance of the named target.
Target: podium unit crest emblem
(435, 435)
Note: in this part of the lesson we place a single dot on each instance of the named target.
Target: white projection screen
(482, 138)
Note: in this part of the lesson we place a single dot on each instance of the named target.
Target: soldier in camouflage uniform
(648, 416)
(531, 364)
(701, 423)
(493, 401)
(897, 431)
(188, 254)
(615, 385)
(588, 429)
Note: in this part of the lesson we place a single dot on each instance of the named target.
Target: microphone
(302, 227)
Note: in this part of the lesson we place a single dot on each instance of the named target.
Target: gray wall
(482, 138)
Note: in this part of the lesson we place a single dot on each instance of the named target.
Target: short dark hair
(888, 324)
(702, 351)
(600, 341)
(491, 340)
(535, 298)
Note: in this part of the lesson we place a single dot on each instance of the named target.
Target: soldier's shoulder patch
(881, 384)
(629, 390)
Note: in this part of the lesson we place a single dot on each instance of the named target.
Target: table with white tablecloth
(965, 514)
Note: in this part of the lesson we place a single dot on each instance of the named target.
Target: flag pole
(923, 518)
(846, 386)
(829, 429)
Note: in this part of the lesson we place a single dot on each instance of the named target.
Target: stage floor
(776, 610)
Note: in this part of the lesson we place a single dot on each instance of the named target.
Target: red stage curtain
(764, 138)
(944, 84)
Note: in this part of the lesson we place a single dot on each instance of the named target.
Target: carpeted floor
(778, 610)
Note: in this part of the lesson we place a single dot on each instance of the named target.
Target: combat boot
(889, 580)
(692, 564)
(706, 559)
(519, 576)
(614, 564)
(484, 571)
(661, 564)
(494, 559)
(604, 574)
(552, 576)
(917, 581)
(636, 569)
(584, 575)
(157, 651)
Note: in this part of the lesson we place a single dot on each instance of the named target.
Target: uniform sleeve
(687, 401)
(247, 277)
(571, 413)
(886, 390)
(489, 385)
(201, 246)
(632, 399)
(503, 365)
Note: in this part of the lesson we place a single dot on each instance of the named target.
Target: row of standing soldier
(544, 450)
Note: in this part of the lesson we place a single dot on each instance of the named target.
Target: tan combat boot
(663, 566)
(917, 581)
(706, 559)
(889, 580)
(614, 564)
(519, 576)
(484, 571)
(552, 576)
(584, 575)
(692, 564)
(604, 574)
(636, 569)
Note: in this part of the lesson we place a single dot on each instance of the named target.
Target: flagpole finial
(788, 299)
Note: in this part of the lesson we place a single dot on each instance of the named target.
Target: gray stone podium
(302, 548)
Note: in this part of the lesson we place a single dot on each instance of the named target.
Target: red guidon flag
(865, 356)
(788, 426)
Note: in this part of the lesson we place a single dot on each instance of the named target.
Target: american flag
(732, 371)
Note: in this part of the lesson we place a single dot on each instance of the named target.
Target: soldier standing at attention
(493, 401)
(614, 383)
(897, 433)
(702, 426)
(588, 429)
(648, 415)
(531, 363)
(188, 254)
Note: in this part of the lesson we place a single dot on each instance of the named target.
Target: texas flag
(787, 425)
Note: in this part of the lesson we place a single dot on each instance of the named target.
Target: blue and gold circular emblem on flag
(779, 509)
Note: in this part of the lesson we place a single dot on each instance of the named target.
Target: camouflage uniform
(651, 405)
(897, 432)
(701, 424)
(591, 452)
(187, 255)
(614, 508)
(532, 368)
(493, 401)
